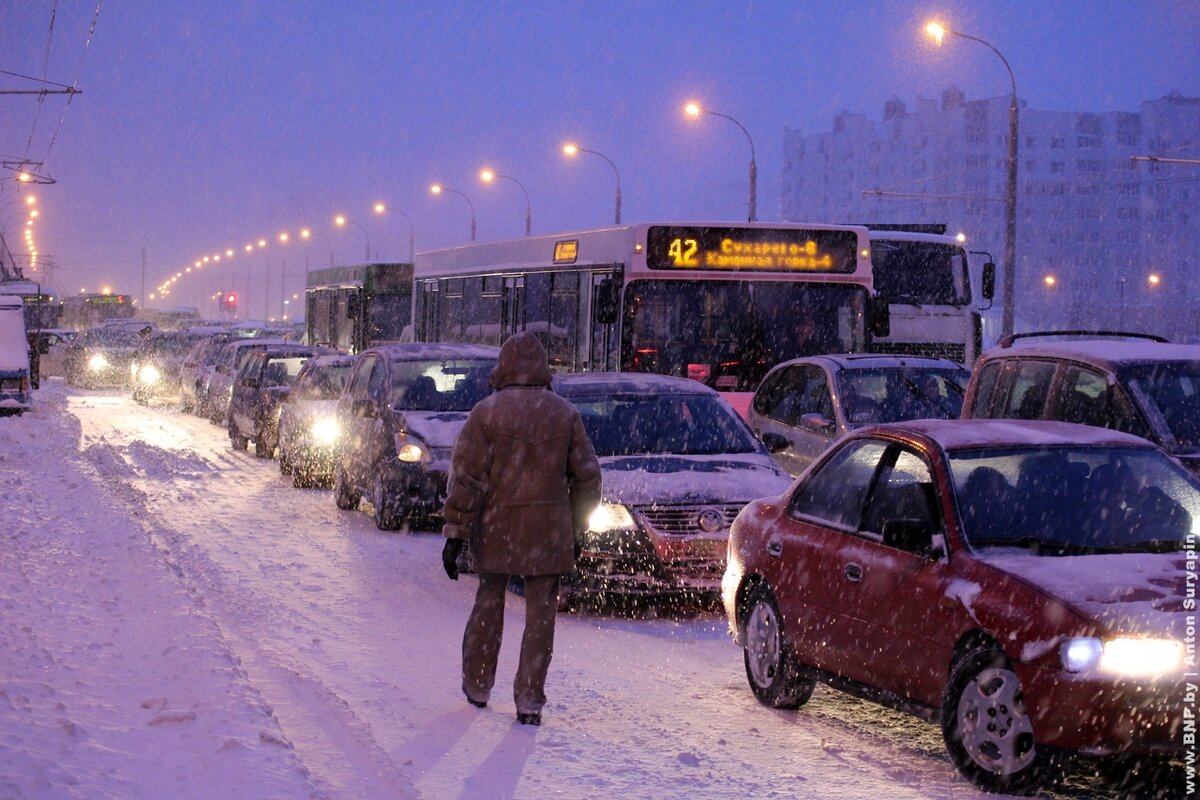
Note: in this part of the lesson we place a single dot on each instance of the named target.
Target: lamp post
(305, 234)
(571, 149)
(488, 176)
(381, 208)
(341, 221)
(694, 110)
(437, 188)
(938, 32)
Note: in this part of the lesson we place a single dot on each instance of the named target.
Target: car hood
(438, 429)
(667, 479)
(1124, 593)
(311, 409)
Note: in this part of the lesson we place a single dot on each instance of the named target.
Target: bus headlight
(610, 517)
(97, 362)
(149, 374)
(1125, 657)
(410, 450)
(326, 430)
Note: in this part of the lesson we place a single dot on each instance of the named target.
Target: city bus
(720, 303)
(81, 311)
(353, 308)
(42, 308)
(924, 277)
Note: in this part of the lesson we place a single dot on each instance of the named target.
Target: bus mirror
(606, 302)
(880, 317)
(989, 281)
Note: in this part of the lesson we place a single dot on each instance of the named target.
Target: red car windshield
(1071, 500)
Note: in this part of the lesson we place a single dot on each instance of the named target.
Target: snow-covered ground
(177, 621)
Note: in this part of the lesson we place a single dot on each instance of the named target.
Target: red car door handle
(775, 548)
(854, 573)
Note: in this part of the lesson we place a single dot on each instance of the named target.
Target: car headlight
(610, 517)
(1126, 657)
(326, 430)
(97, 362)
(149, 374)
(410, 450)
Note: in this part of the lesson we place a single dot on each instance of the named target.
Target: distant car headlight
(97, 362)
(610, 517)
(326, 430)
(149, 374)
(1125, 657)
(410, 450)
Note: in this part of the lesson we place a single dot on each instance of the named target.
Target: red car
(1022, 583)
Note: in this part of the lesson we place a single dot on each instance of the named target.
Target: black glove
(450, 557)
(578, 547)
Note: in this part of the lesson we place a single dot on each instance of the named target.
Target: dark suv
(1129, 382)
(399, 415)
(261, 386)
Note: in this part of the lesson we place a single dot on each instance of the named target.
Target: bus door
(603, 321)
(426, 321)
(513, 319)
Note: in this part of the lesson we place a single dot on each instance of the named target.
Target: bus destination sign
(758, 249)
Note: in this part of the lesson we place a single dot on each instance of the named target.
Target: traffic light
(230, 303)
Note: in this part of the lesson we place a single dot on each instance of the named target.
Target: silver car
(804, 405)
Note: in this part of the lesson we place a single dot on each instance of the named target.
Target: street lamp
(694, 110)
(341, 222)
(306, 234)
(570, 149)
(437, 189)
(488, 176)
(383, 208)
(938, 32)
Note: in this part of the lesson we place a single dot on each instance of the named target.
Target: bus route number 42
(683, 252)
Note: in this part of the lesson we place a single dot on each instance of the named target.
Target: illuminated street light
(939, 32)
(383, 208)
(262, 243)
(249, 248)
(437, 189)
(1050, 280)
(694, 110)
(488, 176)
(283, 237)
(341, 222)
(1154, 279)
(229, 253)
(571, 149)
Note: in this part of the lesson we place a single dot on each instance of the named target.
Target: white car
(308, 426)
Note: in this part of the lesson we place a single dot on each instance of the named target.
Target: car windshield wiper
(1146, 546)
(1037, 544)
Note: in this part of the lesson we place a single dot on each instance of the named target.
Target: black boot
(530, 719)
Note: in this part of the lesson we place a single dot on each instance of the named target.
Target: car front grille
(685, 519)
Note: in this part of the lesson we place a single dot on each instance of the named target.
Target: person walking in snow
(523, 480)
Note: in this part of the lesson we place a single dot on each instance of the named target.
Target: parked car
(258, 392)
(218, 390)
(195, 370)
(308, 426)
(15, 378)
(154, 369)
(100, 356)
(678, 465)
(804, 405)
(1133, 383)
(399, 416)
(1018, 582)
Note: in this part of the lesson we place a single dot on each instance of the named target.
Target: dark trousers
(485, 627)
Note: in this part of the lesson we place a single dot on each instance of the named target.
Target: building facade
(1103, 241)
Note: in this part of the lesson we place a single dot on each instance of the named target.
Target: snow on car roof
(875, 361)
(963, 434)
(1110, 352)
(414, 351)
(581, 383)
(331, 360)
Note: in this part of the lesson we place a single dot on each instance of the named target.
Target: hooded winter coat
(523, 475)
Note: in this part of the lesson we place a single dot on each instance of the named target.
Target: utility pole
(143, 295)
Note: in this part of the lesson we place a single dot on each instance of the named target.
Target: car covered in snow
(154, 370)
(678, 466)
(804, 405)
(262, 384)
(308, 426)
(15, 378)
(398, 418)
(218, 388)
(1135, 383)
(101, 356)
(1022, 583)
(195, 369)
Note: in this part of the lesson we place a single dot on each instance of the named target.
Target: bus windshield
(727, 334)
(920, 273)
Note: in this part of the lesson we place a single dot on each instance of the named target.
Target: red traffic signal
(231, 299)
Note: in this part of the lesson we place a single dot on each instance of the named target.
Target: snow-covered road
(179, 621)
